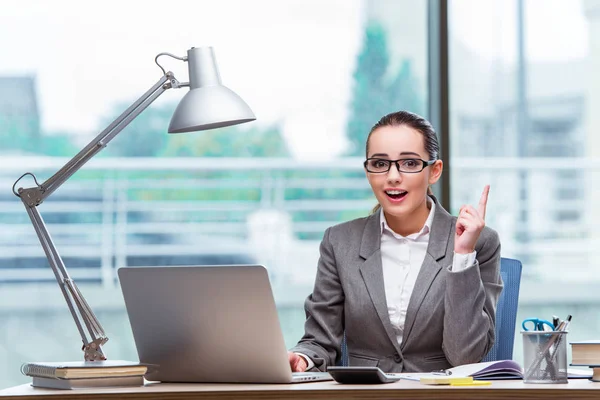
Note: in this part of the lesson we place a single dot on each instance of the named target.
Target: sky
(291, 60)
(555, 30)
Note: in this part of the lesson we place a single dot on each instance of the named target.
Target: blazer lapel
(372, 273)
(441, 231)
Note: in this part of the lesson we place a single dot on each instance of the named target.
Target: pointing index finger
(483, 201)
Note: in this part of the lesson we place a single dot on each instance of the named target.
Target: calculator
(361, 375)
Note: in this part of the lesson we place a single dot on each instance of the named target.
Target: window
(317, 73)
(533, 85)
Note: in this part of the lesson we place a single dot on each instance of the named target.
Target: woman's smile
(395, 195)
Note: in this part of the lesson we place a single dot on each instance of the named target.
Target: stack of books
(587, 353)
(85, 374)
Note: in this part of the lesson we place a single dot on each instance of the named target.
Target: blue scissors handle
(536, 324)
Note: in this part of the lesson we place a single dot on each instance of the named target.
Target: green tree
(145, 136)
(376, 91)
(26, 138)
(233, 141)
(58, 145)
(19, 133)
(403, 91)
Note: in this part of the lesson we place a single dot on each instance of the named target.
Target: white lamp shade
(208, 104)
(209, 107)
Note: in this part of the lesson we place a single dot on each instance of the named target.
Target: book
(492, 370)
(595, 374)
(83, 369)
(82, 383)
(575, 373)
(502, 369)
(585, 353)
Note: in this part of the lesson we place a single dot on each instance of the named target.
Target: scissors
(536, 324)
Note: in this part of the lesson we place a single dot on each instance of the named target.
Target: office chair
(506, 314)
(344, 361)
(506, 311)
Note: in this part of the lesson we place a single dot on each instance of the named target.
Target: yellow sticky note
(445, 380)
(472, 383)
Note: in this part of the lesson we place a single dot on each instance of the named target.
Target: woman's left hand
(469, 225)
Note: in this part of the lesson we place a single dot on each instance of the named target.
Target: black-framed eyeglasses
(406, 165)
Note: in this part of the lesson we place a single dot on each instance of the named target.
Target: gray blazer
(450, 318)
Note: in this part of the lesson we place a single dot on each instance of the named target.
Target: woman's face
(400, 194)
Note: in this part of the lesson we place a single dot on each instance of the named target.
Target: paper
(503, 369)
(473, 383)
(574, 373)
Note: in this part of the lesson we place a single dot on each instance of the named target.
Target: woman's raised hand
(469, 225)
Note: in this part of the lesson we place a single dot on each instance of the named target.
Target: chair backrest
(344, 361)
(506, 314)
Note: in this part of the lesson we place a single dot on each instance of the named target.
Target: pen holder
(545, 357)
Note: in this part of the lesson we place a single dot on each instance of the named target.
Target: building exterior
(19, 113)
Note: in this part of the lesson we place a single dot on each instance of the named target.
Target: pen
(555, 321)
(442, 372)
(562, 327)
(564, 324)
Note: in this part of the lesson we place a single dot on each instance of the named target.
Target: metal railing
(109, 218)
(121, 212)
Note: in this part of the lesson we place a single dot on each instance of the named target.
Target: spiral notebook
(83, 369)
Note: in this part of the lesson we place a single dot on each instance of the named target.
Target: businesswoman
(413, 288)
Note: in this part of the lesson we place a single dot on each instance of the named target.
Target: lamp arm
(99, 142)
(34, 196)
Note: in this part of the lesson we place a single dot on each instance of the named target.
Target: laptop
(208, 324)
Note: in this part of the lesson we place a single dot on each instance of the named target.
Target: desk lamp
(207, 105)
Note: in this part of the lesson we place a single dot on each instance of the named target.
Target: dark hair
(416, 122)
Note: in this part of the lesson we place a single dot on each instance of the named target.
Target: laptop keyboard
(308, 373)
